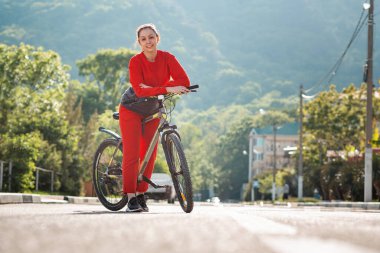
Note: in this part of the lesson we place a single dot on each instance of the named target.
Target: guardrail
(3, 167)
(38, 169)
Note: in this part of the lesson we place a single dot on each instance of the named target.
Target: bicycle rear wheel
(107, 175)
(180, 172)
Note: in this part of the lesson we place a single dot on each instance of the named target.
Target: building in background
(262, 145)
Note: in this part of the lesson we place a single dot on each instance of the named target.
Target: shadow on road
(123, 212)
(98, 212)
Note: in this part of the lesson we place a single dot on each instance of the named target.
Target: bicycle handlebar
(193, 88)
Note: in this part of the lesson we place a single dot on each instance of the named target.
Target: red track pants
(135, 145)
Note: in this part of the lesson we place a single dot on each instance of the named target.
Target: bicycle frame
(107, 171)
(163, 129)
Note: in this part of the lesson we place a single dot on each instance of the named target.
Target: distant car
(215, 200)
(167, 193)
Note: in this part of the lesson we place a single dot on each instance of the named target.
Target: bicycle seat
(115, 115)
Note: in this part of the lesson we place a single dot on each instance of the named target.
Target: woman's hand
(177, 90)
(144, 86)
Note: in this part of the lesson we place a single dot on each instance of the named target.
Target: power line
(339, 62)
(332, 72)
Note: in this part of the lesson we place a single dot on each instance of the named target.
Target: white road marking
(311, 245)
(262, 226)
(282, 238)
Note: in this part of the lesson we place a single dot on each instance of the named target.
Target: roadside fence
(52, 175)
(6, 176)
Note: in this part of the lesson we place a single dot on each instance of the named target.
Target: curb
(14, 198)
(358, 205)
(19, 198)
(328, 204)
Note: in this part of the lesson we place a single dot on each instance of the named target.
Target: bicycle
(107, 170)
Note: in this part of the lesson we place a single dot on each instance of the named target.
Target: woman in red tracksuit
(152, 72)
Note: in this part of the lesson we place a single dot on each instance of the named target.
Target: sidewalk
(18, 198)
(355, 205)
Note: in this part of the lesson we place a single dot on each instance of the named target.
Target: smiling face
(148, 40)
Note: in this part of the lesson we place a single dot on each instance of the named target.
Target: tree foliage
(273, 118)
(335, 125)
(199, 149)
(231, 159)
(34, 130)
(107, 77)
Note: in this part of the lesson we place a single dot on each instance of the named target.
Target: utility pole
(251, 135)
(300, 160)
(369, 81)
(274, 162)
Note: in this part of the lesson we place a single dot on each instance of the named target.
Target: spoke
(110, 173)
(102, 173)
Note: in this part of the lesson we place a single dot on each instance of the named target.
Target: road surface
(166, 228)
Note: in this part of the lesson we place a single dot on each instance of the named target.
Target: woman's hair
(141, 27)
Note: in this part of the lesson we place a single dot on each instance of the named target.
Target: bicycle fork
(163, 133)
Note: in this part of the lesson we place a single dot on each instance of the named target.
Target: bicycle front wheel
(180, 172)
(107, 175)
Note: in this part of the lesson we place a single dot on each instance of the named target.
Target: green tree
(107, 77)
(34, 130)
(199, 151)
(26, 66)
(273, 118)
(335, 123)
(231, 159)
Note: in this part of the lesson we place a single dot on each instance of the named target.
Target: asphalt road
(166, 228)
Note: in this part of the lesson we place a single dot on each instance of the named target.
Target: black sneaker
(142, 202)
(133, 206)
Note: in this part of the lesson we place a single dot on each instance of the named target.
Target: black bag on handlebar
(145, 106)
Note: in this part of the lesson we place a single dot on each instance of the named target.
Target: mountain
(238, 51)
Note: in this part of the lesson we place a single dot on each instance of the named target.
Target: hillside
(237, 50)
